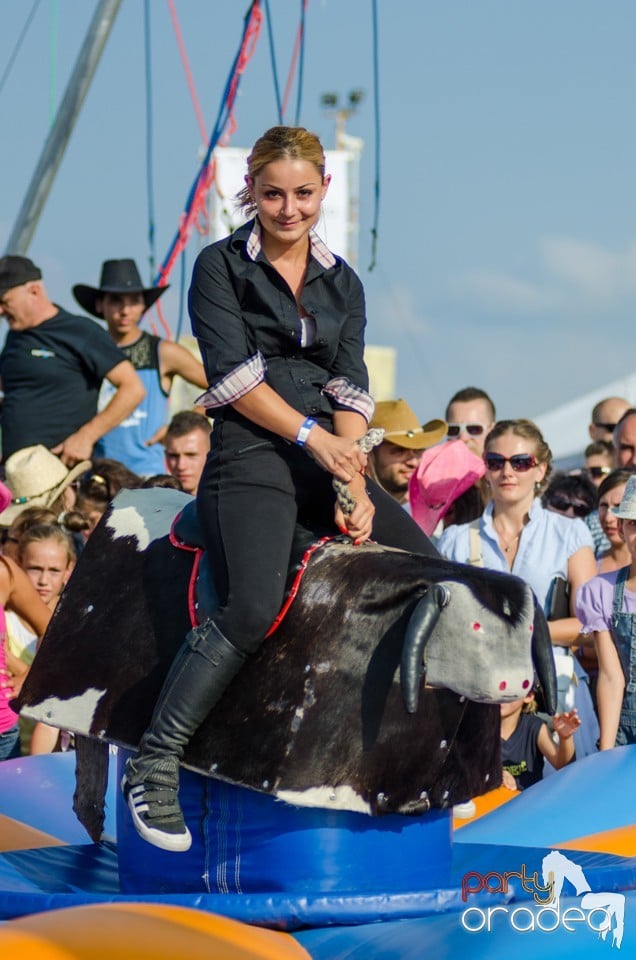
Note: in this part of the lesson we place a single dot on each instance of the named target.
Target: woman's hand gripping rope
(354, 510)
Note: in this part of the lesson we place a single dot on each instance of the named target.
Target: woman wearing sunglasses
(573, 496)
(517, 534)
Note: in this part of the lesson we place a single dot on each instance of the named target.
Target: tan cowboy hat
(36, 478)
(402, 427)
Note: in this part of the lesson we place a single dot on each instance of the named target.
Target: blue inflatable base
(445, 921)
(50, 878)
(38, 791)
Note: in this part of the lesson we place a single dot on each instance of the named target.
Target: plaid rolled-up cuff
(342, 393)
(235, 384)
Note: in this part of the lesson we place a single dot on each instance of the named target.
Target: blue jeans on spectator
(10, 744)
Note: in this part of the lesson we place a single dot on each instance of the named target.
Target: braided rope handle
(366, 443)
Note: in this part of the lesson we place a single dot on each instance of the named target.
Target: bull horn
(419, 629)
(543, 659)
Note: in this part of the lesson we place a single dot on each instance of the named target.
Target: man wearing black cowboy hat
(52, 367)
(121, 301)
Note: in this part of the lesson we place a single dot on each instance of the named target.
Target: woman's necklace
(507, 547)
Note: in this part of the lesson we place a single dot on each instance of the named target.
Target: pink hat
(5, 497)
(444, 473)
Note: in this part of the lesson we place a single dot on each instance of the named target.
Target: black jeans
(253, 490)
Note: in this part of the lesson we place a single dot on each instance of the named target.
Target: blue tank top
(127, 441)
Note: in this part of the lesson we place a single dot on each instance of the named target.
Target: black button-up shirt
(246, 321)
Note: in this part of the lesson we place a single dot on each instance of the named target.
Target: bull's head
(487, 656)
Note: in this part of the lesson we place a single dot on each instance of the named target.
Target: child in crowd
(10, 537)
(94, 493)
(17, 595)
(606, 606)
(47, 556)
(526, 742)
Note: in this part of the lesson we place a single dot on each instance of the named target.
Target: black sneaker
(156, 814)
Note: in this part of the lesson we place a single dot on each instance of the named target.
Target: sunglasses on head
(520, 462)
(606, 426)
(598, 472)
(563, 504)
(5, 537)
(472, 429)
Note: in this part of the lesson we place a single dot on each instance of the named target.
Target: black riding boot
(199, 675)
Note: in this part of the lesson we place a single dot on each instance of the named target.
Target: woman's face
(611, 525)
(628, 530)
(510, 487)
(46, 564)
(287, 194)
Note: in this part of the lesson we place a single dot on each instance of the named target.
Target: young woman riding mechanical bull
(280, 324)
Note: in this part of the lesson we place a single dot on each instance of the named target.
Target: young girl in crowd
(606, 606)
(28, 518)
(94, 493)
(526, 742)
(47, 557)
(17, 595)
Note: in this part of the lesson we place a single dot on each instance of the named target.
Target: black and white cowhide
(317, 717)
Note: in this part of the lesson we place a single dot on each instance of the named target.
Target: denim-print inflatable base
(467, 910)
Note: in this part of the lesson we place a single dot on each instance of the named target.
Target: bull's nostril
(476, 626)
(525, 684)
(502, 685)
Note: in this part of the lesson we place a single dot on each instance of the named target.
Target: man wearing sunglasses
(599, 460)
(605, 416)
(470, 415)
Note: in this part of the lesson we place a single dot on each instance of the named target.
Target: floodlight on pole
(330, 101)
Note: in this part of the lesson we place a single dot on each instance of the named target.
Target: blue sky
(507, 238)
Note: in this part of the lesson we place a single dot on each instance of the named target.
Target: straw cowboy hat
(118, 276)
(36, 478)
(443, 474)
(402, 427)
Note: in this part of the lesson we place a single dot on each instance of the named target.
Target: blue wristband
(303, 433)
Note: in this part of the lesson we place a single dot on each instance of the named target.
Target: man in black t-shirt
(51, 369)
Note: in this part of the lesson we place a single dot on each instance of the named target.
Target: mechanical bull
(374, 691)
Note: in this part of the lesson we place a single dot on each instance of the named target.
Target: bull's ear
(543, 658)
(419, 629)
